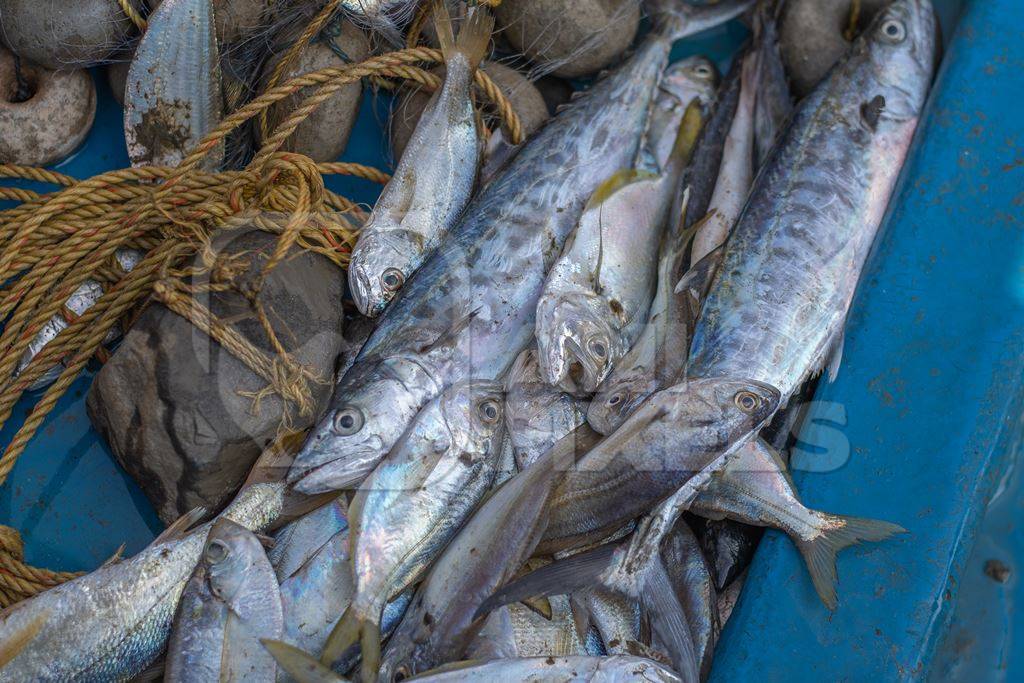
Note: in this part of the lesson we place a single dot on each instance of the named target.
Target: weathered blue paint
(929, 398)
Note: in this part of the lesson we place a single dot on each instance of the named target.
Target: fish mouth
(582, 376)
(363, 292)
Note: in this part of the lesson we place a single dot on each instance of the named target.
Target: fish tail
(343, 636)
(678, 19)
(298, 664)
(838, 532)
(474, 35)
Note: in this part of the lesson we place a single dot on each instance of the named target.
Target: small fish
(537, 415)
(755, 488)
(173, 98)
(409, 508)
(728, 545)
(230, 602)
(386, 17)
(434, 179)
(597, 294)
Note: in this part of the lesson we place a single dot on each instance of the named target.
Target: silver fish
(173, 97)
(755, 488)
(297, 542)
(674, 435)
(414, 502)
(536, 414)
(81, 300)
(614, 669)
(432, 184)
(469, 310)
(112, 623)
(231, 600)
(774, 103)
(484, 555)
(777, 306)
(616, 617)
(597, 294)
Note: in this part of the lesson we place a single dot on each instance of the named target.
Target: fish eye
(489, 411)
(747, 401)
(894, 31)
(702, 71)
(598, 347)
(392, 279)
(217, 551)
(348, 421)
(615, 400)
(401, 674)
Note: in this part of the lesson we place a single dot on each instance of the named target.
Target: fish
(469, 310)
(597, 294)
(728, 545)
(112, 623)
(230, 602)
(755, 488)
(657, 358)
(678, 432)
(434, 179)
(777, 305)
(617, 618)
(774, 102)
(297, 542)
(537, 415)
(410, 507)
(486, 553)
(173, 97)
(737, 170)
(385, 17)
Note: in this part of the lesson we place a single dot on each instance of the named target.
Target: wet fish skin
(613, 669)
(469, 310)
(432, 184)
(617, 618)
(774, 102)
(678, 432)
(537, 415)
(174, 97)
(297, 542)
(776, 309)
(728, 545)
(231, 600)
(492, 546)
(416, 499)
(597, 294)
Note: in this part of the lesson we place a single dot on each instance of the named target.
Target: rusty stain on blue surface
(931, 385)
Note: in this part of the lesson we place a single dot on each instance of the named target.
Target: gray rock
(168, 400)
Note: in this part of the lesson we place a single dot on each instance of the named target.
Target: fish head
(576, 344)
(693, 77)
(358, 430)
(381, 263)
(230, 552)
(617, 400)
(718, 412)
(903, 45)
(473, 414)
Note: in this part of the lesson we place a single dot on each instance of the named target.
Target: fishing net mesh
(53, 242)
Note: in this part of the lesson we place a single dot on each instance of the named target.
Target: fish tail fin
(299, 664)
(838, 532)
(474, 35)
(369, 643)
(343, 636)
(678, 19)
(689, 131)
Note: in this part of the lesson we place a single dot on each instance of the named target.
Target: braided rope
(133, 14)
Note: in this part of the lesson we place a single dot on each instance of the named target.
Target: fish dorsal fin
(698, 278)
(181, 526)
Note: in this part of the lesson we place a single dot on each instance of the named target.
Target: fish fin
(677, 19)
(345, 634)
(838, 532)
(668, 620)
(581, 618)
(698, 278)
(152, 673)
(474, 34)
(180, 526)
(443, 27)
(871, 112)
(267, 542)
(115, 558)
(449, 335)
(540, 606)
(298, 664)
(297, 505)
(369, 646)
(17, 641)
(836, 357)
(275, 460)
(561, 576)
(689, 131)
(615, 182)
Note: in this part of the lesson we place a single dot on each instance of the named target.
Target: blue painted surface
(930, 392)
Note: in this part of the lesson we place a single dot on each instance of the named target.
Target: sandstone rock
(168, 400)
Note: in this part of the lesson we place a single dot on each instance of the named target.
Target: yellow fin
(616, 182)
(689, 131)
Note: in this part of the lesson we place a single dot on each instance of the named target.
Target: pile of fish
(545, 460)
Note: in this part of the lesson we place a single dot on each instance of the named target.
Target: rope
(132, 14)
(17, 579)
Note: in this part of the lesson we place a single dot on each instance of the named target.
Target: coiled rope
(53, 242)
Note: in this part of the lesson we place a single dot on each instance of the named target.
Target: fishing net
(51, 243)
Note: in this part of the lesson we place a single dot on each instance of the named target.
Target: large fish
(414, 502)
(469, 310)
(230, 602)
(776, 308)
(597, 294)
(432, 184)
